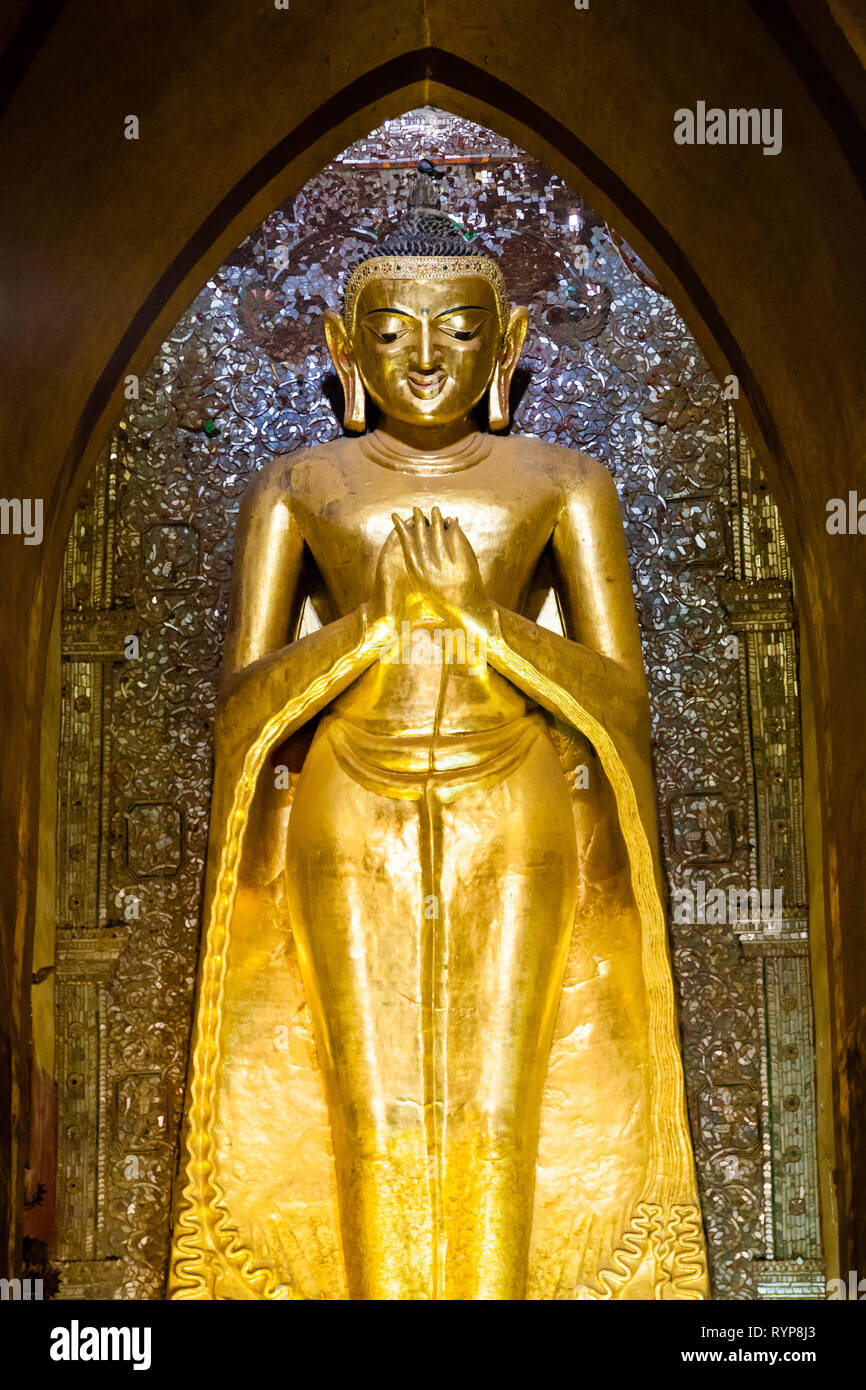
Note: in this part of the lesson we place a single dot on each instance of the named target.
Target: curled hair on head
(426, 244)
(424, 229)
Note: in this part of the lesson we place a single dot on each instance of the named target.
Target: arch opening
(573, 312)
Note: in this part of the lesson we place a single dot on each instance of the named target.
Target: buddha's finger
(437, 536)
(451, 526)
(422, 537)
(404, 526)
(407, 540)
(463, 546)
(404, 531)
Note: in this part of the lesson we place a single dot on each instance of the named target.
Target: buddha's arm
(599, 663)
(264, 672)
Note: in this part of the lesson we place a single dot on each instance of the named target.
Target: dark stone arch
(743, 257)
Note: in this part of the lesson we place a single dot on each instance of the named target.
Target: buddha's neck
(427, 440)
(408, 449)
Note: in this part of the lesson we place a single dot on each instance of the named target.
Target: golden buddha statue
(435, 1053)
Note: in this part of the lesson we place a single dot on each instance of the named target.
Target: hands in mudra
(441, 566)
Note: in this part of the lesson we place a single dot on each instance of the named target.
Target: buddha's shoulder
(569, 469)
(288, 475)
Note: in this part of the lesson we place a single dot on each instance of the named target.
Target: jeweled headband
(426, 245)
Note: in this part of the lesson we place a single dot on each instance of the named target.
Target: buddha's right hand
(388, 596)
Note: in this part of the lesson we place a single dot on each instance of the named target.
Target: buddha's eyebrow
(444, 313)
(388, 309)
(464, 309)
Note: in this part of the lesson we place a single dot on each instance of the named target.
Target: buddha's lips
(427, 385)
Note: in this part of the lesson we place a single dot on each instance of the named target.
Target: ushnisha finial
(426, 244)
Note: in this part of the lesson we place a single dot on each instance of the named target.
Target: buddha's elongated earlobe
(499, 412)
(343, 358)
(354, 415)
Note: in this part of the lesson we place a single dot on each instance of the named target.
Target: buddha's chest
(507, 526)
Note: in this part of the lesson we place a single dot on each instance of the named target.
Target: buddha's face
(426, 349)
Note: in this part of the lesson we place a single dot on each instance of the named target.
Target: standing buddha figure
(435, 1052)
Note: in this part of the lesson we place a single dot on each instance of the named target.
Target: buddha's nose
(425, 352)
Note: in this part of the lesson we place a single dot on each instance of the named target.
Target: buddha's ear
(500, 385)
(343, 358)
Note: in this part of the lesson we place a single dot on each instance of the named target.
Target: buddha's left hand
(443, 568)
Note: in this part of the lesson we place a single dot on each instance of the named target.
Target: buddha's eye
(387, 327)
(462, 324)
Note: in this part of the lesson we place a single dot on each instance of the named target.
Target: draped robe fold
(615, 1211)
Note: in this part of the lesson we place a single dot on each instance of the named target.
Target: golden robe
(429, 1145)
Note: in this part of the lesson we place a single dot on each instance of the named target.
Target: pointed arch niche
(609, 368)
